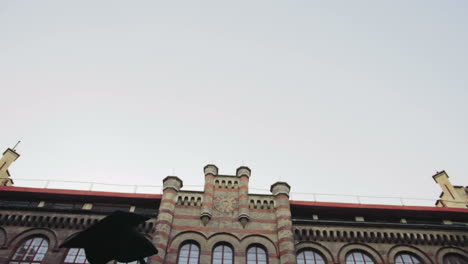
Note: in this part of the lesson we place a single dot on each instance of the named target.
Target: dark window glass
(146, 211)
(223, 254)
(407, 258)
(358, 257)
(64, 206)
(109, 208)
(256, 255)
(189, 254)
(455, 259)
(309, 257)
(76, 255)
(32, 251)
(18, 204)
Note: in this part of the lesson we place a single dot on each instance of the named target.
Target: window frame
(78, 253)
(257, 246)
(411, 255)
(314, 252)
(453, 254)
(363, 253)
(19, 245)
(223, 244)
(191, 243)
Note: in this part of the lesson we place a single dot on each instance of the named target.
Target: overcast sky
(354, 97)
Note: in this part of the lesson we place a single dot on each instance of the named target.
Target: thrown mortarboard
(115, 237)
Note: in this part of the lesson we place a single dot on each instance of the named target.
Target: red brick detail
(167, 201)
(243, 196)
(209, 185)
(287, 252)
(242, 187)
(169, 190)
(231, 230)
(243, 206)
(207, 204)
(281, 207)
(186, 206)
(205, 252)
(225, 219)
(225, 190)
(261, 210)
(112, 195)
(158, 258)
(166, 211)
(162, 234)
(378, 206)
(285, 239)
(281, 196)
(208, 194)
(161, 246)
(209, 176)
(172, 250)
(281, 228)
(163, 222)
(287, 217)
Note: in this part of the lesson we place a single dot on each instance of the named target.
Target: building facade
(226, 223)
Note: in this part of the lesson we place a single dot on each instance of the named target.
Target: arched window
(31, 252)
(309, 256)
(406, 258)
(256, 255)
(189, 253)
(222, 254)
(76, 255)
(358, 257)
(453, 258)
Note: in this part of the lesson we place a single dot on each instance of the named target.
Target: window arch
(453, 258)
(309, 256)
(256, 255)
(76, 255)
(222, 254)
(32, 251)
(189, 253)
(407, 258)
(358, 257)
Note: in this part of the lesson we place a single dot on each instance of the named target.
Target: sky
(334, 97)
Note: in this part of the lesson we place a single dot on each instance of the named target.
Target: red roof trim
(379, 206)
(80, 193)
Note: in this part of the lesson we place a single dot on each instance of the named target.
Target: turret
(206, 213)
(171, 187)
(244, 174)
(280, 191)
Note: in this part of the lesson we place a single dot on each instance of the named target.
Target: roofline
(79, 193)
(380, 206)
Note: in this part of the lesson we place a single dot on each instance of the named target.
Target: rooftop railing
(157, 189)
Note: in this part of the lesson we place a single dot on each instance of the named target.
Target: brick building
(226, 223)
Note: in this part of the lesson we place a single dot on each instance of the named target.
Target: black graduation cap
(115, 237)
